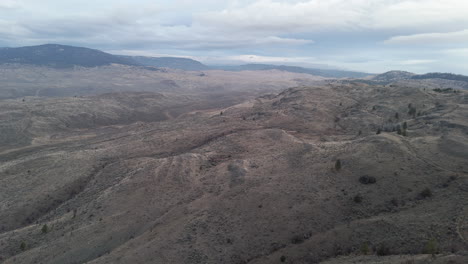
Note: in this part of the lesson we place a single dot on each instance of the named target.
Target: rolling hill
(318, 72)
(59, 56)
(255, 182)
(168, 62)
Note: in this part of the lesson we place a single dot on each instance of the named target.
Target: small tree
(426, 193)
(357, 198)
(383, 250)
(403, 133)
(431, 247)
(45, 229)
(338, 165)
(412, 112)
(365, 248)
(23, 246)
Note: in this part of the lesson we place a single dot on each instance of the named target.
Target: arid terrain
(333, 172)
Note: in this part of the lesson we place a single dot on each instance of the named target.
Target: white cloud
(416, 62)
(319, 15)
(458, 37)
(7, 4)
(269, 59)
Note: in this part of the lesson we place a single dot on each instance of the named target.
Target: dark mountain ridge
(319, 72)
(60, 56)
(185, 64)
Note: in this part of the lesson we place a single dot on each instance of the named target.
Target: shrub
(397, 115)
(23, 246)
(367, 179)
(338, 165)
(357, 198)
(283, 258)
(431, 247)
(426, 193)
(365, 249)
(45, 229)
(378, 131)
(405, 125)
(383, 250)
(412, 112)
(298, 239)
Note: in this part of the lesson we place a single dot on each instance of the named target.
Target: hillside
(256, 182)
(17, 81)
(318, 72)
(168, 62)
(393, 76)
(438, 75)
(59, 56)
(429, 80)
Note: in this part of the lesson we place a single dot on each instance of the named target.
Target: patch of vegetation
(283, 258)
(357, 198)
(45, 229)
(366, 179)
(426, 193)
(365, 249)
(378, 131)
(23, 246)
(431, 247)
(297, 239)
(412, 112)
(383, 250)
(338, 165)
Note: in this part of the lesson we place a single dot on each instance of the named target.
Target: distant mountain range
(168, 62)
(319, 72)
(62, 56)
(393, 76)
(59, 56)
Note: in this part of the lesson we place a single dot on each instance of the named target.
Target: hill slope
(318, 72)
(168, 62)
(252, 183)
(59, 56)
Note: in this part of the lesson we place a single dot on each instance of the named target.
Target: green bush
(365, 249)
(431, 247)
(426, 193)
(45, 229)
(23, 246)
(383, 250)
(338, 165)
(357, 198)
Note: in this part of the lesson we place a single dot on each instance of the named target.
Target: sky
(361, 35)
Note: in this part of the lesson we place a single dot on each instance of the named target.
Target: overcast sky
(363, 35)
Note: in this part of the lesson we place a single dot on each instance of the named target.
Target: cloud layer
(346, 33)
